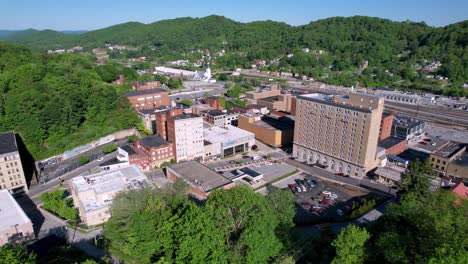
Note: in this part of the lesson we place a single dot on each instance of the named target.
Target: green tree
(109, 148)
(174, 83)
(55, 202)
(84, 160)
(186, 102)
(282, 202)
(417, 178)
(235, 91)
(350, 246)
(13, 253)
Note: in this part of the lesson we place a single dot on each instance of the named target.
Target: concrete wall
(25, 232)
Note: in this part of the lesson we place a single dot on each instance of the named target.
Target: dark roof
(206, 143)
(390, 142)
(8, 142)
(128, 149)
(199, 175)
(215, 113)
(183, 116)
(142, 92)
(153, 141)
(269, 99)
(111, 162)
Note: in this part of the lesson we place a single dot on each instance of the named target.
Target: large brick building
(340, 132)
(12, 176)
(141, 86)
(148, 99)
(156, 149)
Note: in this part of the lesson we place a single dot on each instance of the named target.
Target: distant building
(15, 226)
(93, 194)
(141, 86)
(271, 130)
(186, 132)
(12, 176)
(120, 81)
(214, 102)
(174, 72)
(273, 90)
(282, 102)
(340, 132)
(220, 118)
(451, 160)
(221, 142)
(407, 128)
(201, 179)
(148, 99)
(150, 120)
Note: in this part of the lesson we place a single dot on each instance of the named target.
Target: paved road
(36, 190)
(327, 175)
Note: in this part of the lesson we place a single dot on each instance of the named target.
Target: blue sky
(94, 14)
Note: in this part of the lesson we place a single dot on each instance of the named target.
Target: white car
(101, 159)
(333, 196)
(326, 192)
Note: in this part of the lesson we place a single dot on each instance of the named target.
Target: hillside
(385, 44)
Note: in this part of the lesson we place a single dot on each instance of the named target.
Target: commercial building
(93, 194)
(12, 176)
(213, 102)
(451, 160)
(186, 133)
(386, 126)
(340, 132)
(271, 130)
(156, 149)
(393, 145)
(174, 72)
(273, 90)
(220, 118)
(389, 174)
(282, 102)
(407, 128)
(141, 86)
(201, 179)
(152, 122)
(221, 142)
(161, 120)
(15, 226)
(148, 99)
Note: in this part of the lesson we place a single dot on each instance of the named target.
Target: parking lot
(325, 201)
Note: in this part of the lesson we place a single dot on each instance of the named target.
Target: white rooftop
(217, 134)
(390, 171)
(11, 213)
(108, 182)
(173, 71)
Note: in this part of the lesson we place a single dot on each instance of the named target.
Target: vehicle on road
(101, 159)
(245, 157)
(316, 209)
(324, 202)
(325, 192)
(339, 212)
(339, 174)
(307, 204)
(333, 196)
(423, 142)
(309, 182)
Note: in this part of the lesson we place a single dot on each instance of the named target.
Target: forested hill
(347, 42)
(58, 102)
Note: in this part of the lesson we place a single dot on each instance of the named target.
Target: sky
(95, 14)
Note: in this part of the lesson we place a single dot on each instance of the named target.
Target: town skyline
(86, 15)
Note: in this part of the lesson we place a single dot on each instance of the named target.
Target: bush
(54, 202)
(109, 148)
(363, 207)
(84, 160)
(132, 138)
(186, 102)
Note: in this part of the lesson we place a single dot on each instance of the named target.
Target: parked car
(339, 212)
(324, 202)
(309, 182)
(333, 196)
(422, 142)
(327, 193)
(101, 159)
(316, 209)
(293, 188)
(339, 174)
(307, 204)
(245, 157)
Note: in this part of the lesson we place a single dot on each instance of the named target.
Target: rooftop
(199, 175)
(461, 190)
(108, 182)
(217, 134)
(8, 142)
(449, 149)
(390, 142)
(153, 141)
(408, 122)
(328, 100)
(271, 123)
(390, 171)
(215, 113)
(184, 116)
(112, 161)
(143, 92)
(128, 149)
(462, 161)
(11, 213)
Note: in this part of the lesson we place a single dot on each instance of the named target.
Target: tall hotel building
(186, 133)
(340, 132)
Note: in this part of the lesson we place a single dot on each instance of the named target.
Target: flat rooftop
(462, 161)
(153, 141)
(11, 213)
(217, 134)
(199, 175)
(271, 123)
(128, 149)
(329, 100)
(215, 113)
(144, 92)
(8, 142)
(184, 116)
(128, 178)
(390, 142)
(390, 171)
(407, 122)
(449, 149)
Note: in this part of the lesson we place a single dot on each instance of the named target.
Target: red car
(339, 174)
(307, 204)
(316, 209)
(423, 142)
(292, 187)
(324, 202)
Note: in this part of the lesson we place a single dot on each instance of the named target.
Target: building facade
(451, 160)
(340, 132)
(141, 86)
(273, 131)
(407, 128)
(156, 149)
(12, 176)
(220, 118)
(15, 226)
(186, 133)
(148, 99)
(386, 126)
(221, 142)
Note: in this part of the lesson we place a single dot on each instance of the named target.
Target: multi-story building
(93, 194)
(148, 116)
(386, 126)
(148, 99)
(451, 160)
(220, 118)
(12, 176)
(271, 130)
(161, 120)
(141, 86)
(273, 90)
(221, 142)
(340, 132)
(156, 149)
(15, 226)
(186, 133)
(407, 128)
